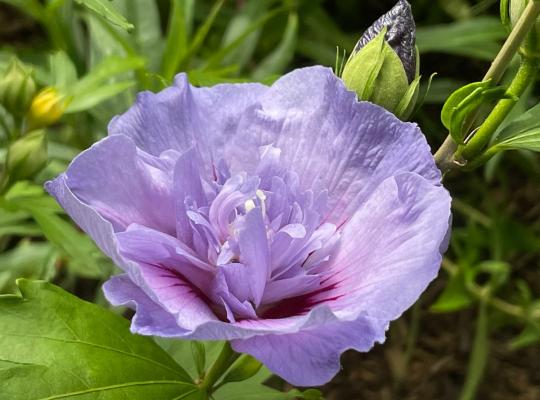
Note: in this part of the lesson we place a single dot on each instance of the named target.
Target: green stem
(479, 354)
(410, 346)
(444, 157)
(225, 359)
(526, 74)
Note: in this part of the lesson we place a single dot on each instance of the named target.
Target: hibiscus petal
(178, 116)
(311, 357)
(141, 244)
(391, 248)
(290, 287)
(187, 186)
(255, 253)
(124, 185)
(99, 229)
(177, 295)
(330, 140)
(150, 318)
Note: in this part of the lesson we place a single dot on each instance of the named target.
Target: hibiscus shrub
(232, 204)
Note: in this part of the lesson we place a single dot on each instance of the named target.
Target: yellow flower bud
(46, 108)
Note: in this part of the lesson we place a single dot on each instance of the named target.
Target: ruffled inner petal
(182, 115)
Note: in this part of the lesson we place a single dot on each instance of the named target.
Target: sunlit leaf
(106, 9)
(63, 347)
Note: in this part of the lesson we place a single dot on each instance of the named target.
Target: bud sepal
(384, 66)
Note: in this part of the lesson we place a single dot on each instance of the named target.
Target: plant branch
(444, 157)
(526, 74)
(225, 359)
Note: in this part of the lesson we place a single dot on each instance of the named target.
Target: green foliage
(85, 259)
(245, 379)
(72, 349)
(376, 74)
(106, 9)
(25, 157)
(98, 54)
(521, 133)
(464, 102)
(478, 38)
(245, 368)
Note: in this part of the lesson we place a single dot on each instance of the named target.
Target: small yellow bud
(46, 108)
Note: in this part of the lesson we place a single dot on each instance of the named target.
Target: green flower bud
(383, 68)
(532, 43)
(245, 368)
(17, 88)
(25, 157)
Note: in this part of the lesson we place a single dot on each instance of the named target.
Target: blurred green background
(475, 332)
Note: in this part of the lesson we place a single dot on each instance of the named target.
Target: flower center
(266, 239)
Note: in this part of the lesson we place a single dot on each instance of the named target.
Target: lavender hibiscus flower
(291, 220)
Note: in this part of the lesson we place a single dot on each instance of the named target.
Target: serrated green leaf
(70, 349)
(106, 10)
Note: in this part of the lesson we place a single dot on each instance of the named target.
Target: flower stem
(526, 74)
(479, 354)
(444, 157)
(225, 359)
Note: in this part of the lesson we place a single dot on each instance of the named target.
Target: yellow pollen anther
(249, 205)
